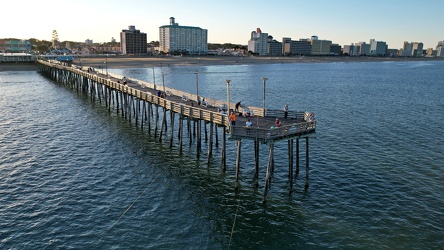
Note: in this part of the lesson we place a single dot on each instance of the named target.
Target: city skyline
(342, 22)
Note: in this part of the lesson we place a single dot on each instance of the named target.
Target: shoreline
(149, 62)
(119, 62)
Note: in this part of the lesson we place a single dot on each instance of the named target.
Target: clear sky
(229, 21)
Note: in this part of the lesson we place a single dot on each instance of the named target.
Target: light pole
(228, 96)
(106, 65)
(154, 79)
(264, 79)
(163, 83)
(197, 86)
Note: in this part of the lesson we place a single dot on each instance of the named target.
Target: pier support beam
(306, 163)
(224, 145)
(269, 170)
(290, 163)
(210, 145)
(163, 124)
(172, 128)
(256, 162)
(297, 157)
(181, 130)
(150, 112)
(199, 138)
(238, 159)
(216, 134)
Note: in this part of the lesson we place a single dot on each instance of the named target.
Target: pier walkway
(128, 97)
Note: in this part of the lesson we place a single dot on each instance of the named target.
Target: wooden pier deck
(109, 86)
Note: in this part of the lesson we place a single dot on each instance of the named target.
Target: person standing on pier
(249, 123)
(285, 111)
(237, 106)
(277, 123)
(233, 119)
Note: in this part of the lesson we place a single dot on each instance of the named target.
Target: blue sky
(229, 21)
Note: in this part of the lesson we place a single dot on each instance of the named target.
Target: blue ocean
(74, 175)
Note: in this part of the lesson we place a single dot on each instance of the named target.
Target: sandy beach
(148, 62)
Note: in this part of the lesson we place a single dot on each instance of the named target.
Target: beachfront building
(377, 48)
(392, 52)
(412, 49)
(274, 47)
(335, 49)
(301, 47)
(417, 49)
(16, 57)
(133, 42)
(292, 47)
(364, 48)
(258, 43)
(430, 52)
(179, 40)
(351, 50)
(440, 49)
(286, 41)
(320, 47)
(15, 45)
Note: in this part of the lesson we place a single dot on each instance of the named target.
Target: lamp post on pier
(163, 83)
(197, 86)
(154, 79)
(264, 79)
(228, 96)
(106, 64)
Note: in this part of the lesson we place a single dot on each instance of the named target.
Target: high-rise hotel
(176, 39)
(133, 41)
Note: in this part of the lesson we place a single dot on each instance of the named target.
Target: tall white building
(412, 49)
(258, 42)
(377, 48)
(176, 39)
(440, 49)
(417, 49)
(364, 48)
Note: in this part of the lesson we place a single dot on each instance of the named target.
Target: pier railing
(273, 133)
(300, 115)
(211, 102)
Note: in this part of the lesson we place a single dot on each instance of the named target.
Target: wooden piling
(306, 163)
(297, 157)
(172, 128)
(238, 159)
(290, 163)
(210, 145)
(224, 143)
(268, 173)
(256, 162)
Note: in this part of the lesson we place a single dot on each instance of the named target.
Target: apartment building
(320, 47)
(258, 43)
(377, 48)
(15, 46)
(274, 47)
(133, 41)
(176, 39)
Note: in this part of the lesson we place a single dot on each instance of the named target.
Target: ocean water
(75, 176)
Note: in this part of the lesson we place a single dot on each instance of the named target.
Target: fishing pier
(163, 109)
